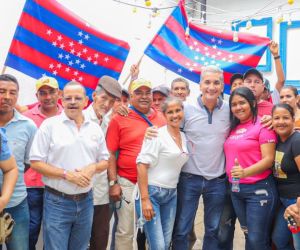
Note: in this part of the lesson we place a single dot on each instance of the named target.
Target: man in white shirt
(107, 92)
(68, 150)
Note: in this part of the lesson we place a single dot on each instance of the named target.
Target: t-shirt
(285, 168)
(164, 157)
(264, 108)
(125, 134)
(244, 144)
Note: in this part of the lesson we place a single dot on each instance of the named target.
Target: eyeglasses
(73, 99)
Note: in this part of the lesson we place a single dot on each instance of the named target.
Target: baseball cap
(235, 76)
(139, 83)
(110, 85)
(161, 89)
(46, 81)
(253, 71)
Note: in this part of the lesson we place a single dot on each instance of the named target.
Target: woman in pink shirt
(250, 151)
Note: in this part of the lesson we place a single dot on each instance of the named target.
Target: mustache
(6, 102)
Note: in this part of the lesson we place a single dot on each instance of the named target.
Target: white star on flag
(60, 56)
(75, 73)
(71, 63)
(67, 69)
(62, 46)
(67, 56)
(58, 66)
(89, 59)
(79, 54)
(54, 72)
(59, 38)
(49, 32)
(179, 70)
(86, 37)
(77, 61)
(220, 41)
(96, 55)
(95, 62)
(71, 44)
(213, 40)
(84, 50)
(72, 51)
(80, 33)
(80, 78)
(82, 66)
(80, 41)
(106, 59)
(51, 66)
(54, 44)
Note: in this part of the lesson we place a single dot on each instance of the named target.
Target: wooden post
(3, 70)
(138, 64)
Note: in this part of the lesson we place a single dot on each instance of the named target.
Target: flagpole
(138, 64)
(3, 70)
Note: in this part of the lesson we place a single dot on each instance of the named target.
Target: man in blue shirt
(20, 132)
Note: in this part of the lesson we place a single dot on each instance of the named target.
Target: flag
(50, 40)
(184, 48)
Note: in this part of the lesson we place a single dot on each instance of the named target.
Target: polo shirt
(100, 188)
(60, 143)
(33, 178)
(37, 116)
(264, 108)
(126, 134)
(206, 133)
(20, 131)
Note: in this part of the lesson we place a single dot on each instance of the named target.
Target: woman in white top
(159, 165)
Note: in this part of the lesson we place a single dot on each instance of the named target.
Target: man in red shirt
(47, 106)
(125, 135)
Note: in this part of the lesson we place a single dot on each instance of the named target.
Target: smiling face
(74, 100)
(174, 114)
(211, 86)
(241, 109)
(283, 122)
(102, 102)
(47, 97)
(180, 90)
(141, 99)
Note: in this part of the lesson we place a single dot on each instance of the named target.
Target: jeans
(227, 223)
(190, 188)
(255, 206)
(159, 230)
(35, 197)
(67, 223)
(20, 235)
(281, 235)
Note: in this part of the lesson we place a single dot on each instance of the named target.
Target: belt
(74, 197)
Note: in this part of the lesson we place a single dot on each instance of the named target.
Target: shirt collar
(219, 102)
(91, 113)
(65, 118)
(36, 110)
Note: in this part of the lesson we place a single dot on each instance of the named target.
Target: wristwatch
(112, 183)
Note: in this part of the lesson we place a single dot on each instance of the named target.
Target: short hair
(168, 100)
(9, 78)
(74, 83)
(284, 106)
(180, 79)
(212, 69)
(292, 88)
(235, 76)
(99, 89)
(250, 98)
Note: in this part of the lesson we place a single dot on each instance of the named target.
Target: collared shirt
(206, 133)
(20, 131)
(37, 116)
(61, 144)
(33, 178)
(5, 153)
(100, 188)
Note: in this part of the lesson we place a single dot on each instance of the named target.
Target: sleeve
(5, 151)
(113, 136)
(296, 146)
(267, 136)
(40, 145)
(149, 152)
(32, 131)
(275, 96)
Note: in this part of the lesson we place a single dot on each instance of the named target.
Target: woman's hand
(151, 132)
(147, 208)
(293, 211)
(237, 171)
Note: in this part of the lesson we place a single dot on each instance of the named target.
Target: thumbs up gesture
(237, 171)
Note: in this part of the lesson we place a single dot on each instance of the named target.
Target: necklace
(176, 139)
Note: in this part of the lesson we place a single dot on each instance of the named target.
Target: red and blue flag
(50, 40)
(185, 54)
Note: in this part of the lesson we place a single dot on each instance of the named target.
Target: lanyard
(142, 115)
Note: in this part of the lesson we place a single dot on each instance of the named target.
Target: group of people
(145, 156)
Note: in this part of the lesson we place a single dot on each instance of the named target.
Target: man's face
(211, 86)
(47, 97)
(141, 99)
(74, 100)
(236, 84)
(158, 99)
(8, 96)
(102, 102)
(255, 84)
(180, 90)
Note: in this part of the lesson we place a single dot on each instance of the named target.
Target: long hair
(250, 98)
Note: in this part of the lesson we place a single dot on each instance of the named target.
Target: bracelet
(65, 174)
(276, 57)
